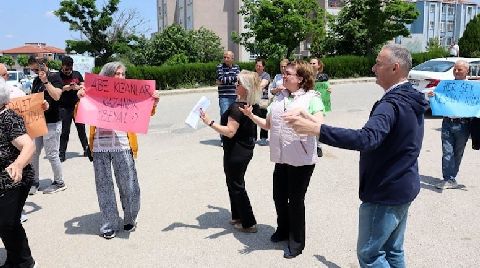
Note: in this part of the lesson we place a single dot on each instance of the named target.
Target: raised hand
(247, 110)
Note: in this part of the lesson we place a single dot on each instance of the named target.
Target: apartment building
(219, 16)
(444, 20)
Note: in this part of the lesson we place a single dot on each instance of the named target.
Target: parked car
(20, 80)
(426, 76)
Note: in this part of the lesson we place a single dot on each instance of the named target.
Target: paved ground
(185, 209)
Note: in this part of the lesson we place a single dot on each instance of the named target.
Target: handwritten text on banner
(458, 98)
(119, 104)
(31, 110)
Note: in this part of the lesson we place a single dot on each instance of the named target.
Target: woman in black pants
(16, 177)
(239, 140)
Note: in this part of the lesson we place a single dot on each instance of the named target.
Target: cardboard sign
(118, 104)
(30, 108)
(458, 98)
(322, 88)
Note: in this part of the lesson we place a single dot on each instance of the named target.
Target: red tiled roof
(33, 49)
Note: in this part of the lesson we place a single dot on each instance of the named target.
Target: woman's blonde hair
(251, 82)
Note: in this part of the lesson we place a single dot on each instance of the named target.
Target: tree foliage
(274, 29)
(363, 26)
(22, 60)
(7, 60)
(177, 45)
(108, 32)
(469, 42)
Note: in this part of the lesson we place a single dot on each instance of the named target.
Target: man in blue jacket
(389, 146)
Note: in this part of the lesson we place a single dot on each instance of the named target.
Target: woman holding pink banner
(118, 149)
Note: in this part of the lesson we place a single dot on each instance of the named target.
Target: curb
(214, 89)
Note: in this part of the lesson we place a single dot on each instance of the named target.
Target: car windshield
(434, 66)
(12, 76)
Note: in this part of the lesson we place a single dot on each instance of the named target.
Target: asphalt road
(185, 210)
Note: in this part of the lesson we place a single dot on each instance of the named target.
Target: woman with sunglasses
(294, 156)
(239, 140)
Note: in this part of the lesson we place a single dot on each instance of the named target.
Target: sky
(29, 21)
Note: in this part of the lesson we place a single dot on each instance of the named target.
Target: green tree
(7, 60)
(276, 28)
(434, 46)
(22, 60)
(54, 64)
(363, 26)
(171, 41)
(107, 32)
(206, 45)
(469, 42)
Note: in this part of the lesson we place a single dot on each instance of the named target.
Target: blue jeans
(224, 103)
(455, 133)
(381, 230)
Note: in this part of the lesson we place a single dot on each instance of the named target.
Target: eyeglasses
(120, 73)
(289, 74)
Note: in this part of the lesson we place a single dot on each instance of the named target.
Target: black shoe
(319, 152)
(277, 237)
(287, 254)
(129, 227)
(109, 235)
(62, 158)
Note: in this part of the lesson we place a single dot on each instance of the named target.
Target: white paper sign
(194, 115)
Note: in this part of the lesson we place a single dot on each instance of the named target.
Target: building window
(444, 9)
(449, 26)
(442, 27)
(451, 10)
(431, 25)
(432, 8)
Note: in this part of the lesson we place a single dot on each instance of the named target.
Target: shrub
(191, 75)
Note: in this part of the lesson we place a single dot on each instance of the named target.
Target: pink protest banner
(31, 110)
(119, 104)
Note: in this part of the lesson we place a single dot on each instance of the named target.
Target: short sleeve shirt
(243, 142)
(11, 127)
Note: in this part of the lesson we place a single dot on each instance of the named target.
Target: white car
(20, 80)
(426, 76)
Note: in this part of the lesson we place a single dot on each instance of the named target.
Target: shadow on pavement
(429, 182)
(31, 207)
(211, 142)
(219, 220)
(70, 155)
(325, 262)
(86, 224)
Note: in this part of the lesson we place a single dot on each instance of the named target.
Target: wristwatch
(46, 83)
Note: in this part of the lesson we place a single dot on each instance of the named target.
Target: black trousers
(263, 132)
(235, 169)
(66, 114)
(289, 188)
(11, 230)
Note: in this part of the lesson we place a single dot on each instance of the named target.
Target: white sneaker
(23, 218)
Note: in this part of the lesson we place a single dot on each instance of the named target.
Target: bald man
(455, 133)
(226, 80)
(15, 92)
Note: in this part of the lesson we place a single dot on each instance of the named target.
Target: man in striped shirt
(226, 79)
